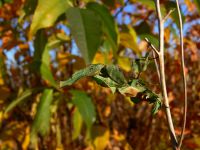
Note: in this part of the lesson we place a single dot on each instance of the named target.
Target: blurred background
(43, 43)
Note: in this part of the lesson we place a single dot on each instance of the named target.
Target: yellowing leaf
(26, 141)
(101, 137)
(77, 124)
(102, 58)
(46, 14)
(1, 80)
(128, 41)
(124, 63)
(190, 5)
(99, 58)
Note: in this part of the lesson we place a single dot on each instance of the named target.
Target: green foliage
(171, 5)
(23, 96)
(197, 2)
(5, 1)
(37, 49)
(140, 65)
(108, 22)
(86, 29)
(110, 76)
(41, 58)
(85, 107)
(42, 117)
(46, 14)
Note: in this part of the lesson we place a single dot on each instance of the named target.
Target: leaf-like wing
(92, 70)
(107, 82)
(115, 74)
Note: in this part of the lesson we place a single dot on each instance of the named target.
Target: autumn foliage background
(40, 46)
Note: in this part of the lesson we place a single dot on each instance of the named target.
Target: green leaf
(92, 70)
(135, 100)
(85, 107)
(43, 115)
(152, 39)
(107, 82)
(108, 22)
(86, 29)
(5, 1)
(197, 2)
(140, 65)
(28, 9)
(46, 13)
(41, 59)
(47, 75)
(77, 124)
(115, 74)
(156, 106)
(41, 52)
(143, 28)
(18, 100)
(150, 3)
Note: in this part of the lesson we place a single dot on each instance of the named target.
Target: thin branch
(183, 75)
(168, 14)
(162, 75)
(121, 9)
(157, 66)
(152, 46)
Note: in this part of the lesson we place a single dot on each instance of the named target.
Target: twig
(152, 46)
(183, 75)
(157, 66)
(168, 14)
(121, 9)
(154, 55)
(162, 75)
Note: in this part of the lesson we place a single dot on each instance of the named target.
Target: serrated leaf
(42, 117)
(115, 74)
(18, 100)
(85, 107)
(86, 28)
(92, 70)
(46, 13)
(108, 22)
